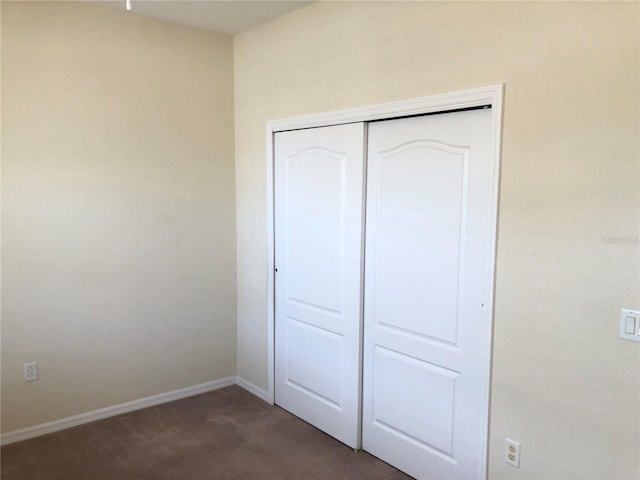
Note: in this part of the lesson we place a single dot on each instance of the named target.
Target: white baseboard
(251, 388)
(56, 425)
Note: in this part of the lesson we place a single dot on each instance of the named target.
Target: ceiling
(229, 16)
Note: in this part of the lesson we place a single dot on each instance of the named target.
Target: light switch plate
(630, 325)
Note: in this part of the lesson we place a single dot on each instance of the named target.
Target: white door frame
(477, 97)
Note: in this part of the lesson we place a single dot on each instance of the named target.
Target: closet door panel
(318, 230)
(426, 347)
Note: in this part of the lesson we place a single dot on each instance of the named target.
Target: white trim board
(76, 420)
(253, 389)
(478, 97)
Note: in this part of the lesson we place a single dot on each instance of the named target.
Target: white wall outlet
(512, 453)
(30, 371)
(630, 325)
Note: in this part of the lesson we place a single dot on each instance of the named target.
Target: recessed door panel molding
(421, 191)
(318, 235)
(305, 344)
(315, 207)
(427, 279)
(406, 393)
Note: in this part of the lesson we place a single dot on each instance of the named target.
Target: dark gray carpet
(225, 434)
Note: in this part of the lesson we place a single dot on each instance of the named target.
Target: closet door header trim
(476, 97)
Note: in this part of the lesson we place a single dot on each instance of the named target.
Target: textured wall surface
(568, 258)
(118, 208)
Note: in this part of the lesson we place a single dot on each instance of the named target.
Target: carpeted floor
(225, 434)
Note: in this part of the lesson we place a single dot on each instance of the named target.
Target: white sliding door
(427, 289)
(318, 186)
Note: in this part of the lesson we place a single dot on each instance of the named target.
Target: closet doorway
(384, 250)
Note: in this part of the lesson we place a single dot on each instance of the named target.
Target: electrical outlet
(30, 371)
(512, 453)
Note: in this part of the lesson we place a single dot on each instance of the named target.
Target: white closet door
(318, 229)
(427, 280)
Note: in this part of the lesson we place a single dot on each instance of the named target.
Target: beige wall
(118, 208)
(118, 220)
(563, 384)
